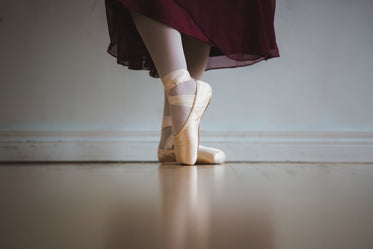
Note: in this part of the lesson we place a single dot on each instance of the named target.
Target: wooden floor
(256, 205)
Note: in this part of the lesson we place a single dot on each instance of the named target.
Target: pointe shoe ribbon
(173, 79)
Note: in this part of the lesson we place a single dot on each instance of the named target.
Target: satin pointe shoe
(186, 141)
(206, 155)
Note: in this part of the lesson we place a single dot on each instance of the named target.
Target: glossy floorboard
(261, 205)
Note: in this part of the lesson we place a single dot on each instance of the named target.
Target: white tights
(170, 51)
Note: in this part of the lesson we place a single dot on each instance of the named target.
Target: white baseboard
(251, 146)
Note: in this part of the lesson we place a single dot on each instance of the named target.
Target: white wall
(56, 74)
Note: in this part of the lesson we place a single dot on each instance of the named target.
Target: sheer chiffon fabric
(240, 32)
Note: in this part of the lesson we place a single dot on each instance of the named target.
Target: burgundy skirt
(240, 32)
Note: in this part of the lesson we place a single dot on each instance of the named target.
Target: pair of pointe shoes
(186, 142)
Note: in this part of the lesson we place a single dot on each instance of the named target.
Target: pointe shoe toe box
(219, 157)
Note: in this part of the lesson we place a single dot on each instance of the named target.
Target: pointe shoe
(186, 141)
(206, 155)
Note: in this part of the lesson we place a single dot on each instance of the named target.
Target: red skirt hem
(128, 48)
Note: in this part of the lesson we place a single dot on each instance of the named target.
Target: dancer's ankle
(174, 78)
